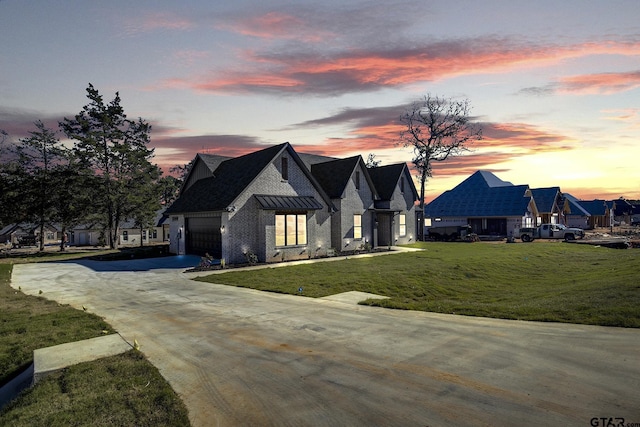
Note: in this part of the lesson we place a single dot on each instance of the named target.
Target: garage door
(203, 236)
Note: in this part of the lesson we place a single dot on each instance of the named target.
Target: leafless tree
(436, 128)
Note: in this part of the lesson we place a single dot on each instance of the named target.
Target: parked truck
(449, 233)
(550, 231)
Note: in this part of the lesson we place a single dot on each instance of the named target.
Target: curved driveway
(244, 357)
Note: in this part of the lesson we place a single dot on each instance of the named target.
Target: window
(125, 235)
(402, 220)
(402, 184)
(155, 234)
(291, 229)
(357, 226)
(144, 234)
(285, 168)
(357, 180)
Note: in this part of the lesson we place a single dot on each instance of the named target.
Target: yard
(120, 390)
(541, 281)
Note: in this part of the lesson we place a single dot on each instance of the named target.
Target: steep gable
(203, 166)
(546, 198)
(334, 175)
(385, 179)
(231, 177)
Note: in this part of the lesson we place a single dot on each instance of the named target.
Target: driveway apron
(244, 357)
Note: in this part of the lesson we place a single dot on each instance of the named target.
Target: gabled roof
(231, 178)
(545, 198)
(211, 160)
(385, 179)
(575, 206)
(334, 175)
(595, 207)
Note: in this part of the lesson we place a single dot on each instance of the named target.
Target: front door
(384, 229)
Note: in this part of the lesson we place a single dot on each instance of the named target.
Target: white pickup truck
(550, 231)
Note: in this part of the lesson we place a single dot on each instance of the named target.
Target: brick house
(276, 204)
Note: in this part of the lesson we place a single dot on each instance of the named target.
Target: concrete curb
(51, 359)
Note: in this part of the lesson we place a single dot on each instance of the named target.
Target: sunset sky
(555, 85)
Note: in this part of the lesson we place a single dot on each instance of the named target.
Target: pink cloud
(276, 25)
(355, 70)
(602, 83)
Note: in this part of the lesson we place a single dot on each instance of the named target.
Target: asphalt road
(244, 357)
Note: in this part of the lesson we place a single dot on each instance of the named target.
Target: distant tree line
(104, 178)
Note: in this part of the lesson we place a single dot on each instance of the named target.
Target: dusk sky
(555, 85)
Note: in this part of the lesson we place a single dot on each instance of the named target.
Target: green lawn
(539, 281)
(120, 390)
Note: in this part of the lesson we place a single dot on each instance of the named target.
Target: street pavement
(244, 357)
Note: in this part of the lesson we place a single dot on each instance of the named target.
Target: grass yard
(121, 390)
(28, 323)
(541, 281)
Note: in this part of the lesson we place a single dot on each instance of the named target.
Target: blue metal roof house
(488, 204)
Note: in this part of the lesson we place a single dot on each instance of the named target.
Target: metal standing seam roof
(288, 203)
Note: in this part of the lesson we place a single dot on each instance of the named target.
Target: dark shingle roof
(594, 207)
(385, 179)
(334, 175)
(488, 202)
(212, 160)
(545, 198)
(481, 195)
(230, 178)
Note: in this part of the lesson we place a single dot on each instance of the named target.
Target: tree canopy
(115, 149)
(436, 128)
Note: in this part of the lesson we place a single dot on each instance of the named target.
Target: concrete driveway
(244, 357)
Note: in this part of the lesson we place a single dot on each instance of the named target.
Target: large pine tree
(115, 149)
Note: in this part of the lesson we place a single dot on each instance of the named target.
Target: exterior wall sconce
(348, 242)
(222, 229)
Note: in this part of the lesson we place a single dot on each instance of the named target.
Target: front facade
(271, 206)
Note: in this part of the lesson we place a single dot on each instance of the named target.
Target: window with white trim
(291, 229)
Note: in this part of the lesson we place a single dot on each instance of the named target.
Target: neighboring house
(130, 234)
(395, 210)
(625, 212)
(577, 216)
(27, 234)
(599, 213)
(552, 205)
(486, 203)
(276, 204)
